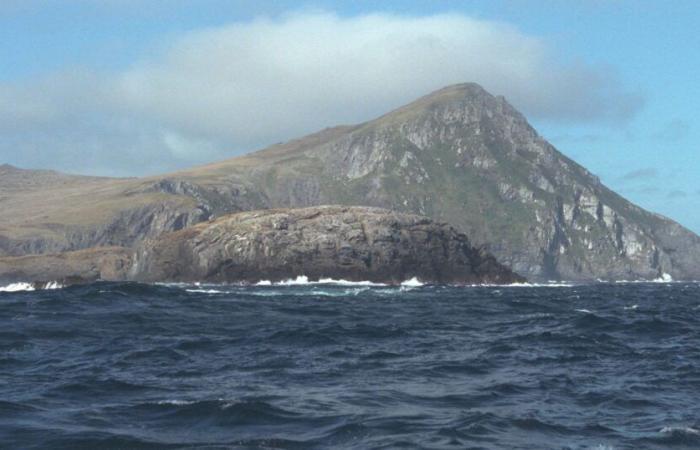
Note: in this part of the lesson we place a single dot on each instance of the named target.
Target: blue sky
(126, 87)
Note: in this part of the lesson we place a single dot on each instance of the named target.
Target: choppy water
(347, 367)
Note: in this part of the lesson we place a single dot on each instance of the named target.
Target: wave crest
(28, 287)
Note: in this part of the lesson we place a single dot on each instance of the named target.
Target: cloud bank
(218, 92)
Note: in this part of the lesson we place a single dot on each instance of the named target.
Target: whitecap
(342, 282)
(23, 286)
(17, 287)
(175, 402)
(527, 285)
(413, 282)
(53, 285)
(585, 311)
(664, 278)
(205, 291)
(303, 280)
(680, 430)
(631, 307)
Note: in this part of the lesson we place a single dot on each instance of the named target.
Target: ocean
(351, 366)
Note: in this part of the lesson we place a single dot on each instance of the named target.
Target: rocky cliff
(351, 243)
(459, 155)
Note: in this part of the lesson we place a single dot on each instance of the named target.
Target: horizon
(113, 89)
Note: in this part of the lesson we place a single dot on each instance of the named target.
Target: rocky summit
(337, 242)
(459, 155)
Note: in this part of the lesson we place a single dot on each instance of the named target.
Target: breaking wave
(28, 287)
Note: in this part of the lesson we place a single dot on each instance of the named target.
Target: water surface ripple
(130, 366)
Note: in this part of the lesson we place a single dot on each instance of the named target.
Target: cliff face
(459, 155)
(351, 243)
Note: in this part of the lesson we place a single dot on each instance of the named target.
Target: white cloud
(225, 90)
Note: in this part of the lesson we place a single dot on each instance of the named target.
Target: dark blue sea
(131, 366)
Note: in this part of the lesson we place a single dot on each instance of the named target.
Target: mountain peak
(471, 93)
(468, 98)
(460, 90)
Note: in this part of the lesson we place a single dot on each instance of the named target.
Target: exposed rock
(352, 243)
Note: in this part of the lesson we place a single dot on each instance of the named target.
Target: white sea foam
(585, 311)
(206, 291)
(548, 284)
(17, 287)
(664, 278)
(413, 282)
(303, 280)
(348, 283)
(680, 430)
(175, 402)
(631, 307)
(23, 286)
(525, 285)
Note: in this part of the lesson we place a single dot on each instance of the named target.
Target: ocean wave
(688, 437)
(664, 278)
(303, 280)
(17, 287)
(206, 291)
(28, 287)
(551, 284)
(680, 431)
(175, 402)
(426, 367)
(413, 282)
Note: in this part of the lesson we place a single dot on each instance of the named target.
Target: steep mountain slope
(458, 155)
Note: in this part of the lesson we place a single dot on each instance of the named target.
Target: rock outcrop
(351, 243)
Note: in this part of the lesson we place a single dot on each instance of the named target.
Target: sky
(137, 87)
